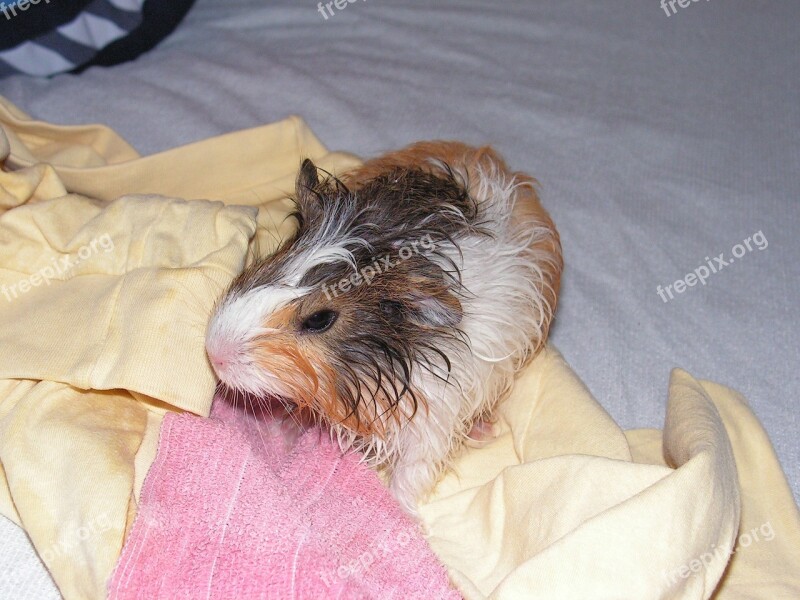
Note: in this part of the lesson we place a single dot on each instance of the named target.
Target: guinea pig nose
(221, 356)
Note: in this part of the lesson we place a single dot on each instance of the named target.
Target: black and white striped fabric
(46, 37)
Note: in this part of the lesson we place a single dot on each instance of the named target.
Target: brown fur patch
(528, 211)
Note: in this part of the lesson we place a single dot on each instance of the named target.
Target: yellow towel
(102, 320)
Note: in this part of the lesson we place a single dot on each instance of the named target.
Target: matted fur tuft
(453, 269)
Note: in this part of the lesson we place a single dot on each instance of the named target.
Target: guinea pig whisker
(257, 422)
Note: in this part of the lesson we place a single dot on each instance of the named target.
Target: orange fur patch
(307, 375)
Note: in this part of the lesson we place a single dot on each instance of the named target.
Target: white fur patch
(236, 323)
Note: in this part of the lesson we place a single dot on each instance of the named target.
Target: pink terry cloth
(228, 511)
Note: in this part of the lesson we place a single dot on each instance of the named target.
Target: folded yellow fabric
(563, 504)
(103, 309)
(102, 318)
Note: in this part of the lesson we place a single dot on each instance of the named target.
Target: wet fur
(428, 348)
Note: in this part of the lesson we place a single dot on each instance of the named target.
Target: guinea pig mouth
(267, 403)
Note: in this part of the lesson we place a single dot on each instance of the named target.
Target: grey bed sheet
(658, 141)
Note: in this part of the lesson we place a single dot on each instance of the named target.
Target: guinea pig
(413, 290)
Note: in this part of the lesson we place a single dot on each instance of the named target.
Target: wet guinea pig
(413, 290)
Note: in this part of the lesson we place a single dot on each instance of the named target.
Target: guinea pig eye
(319, 321)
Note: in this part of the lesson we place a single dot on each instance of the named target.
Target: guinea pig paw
(482, 432)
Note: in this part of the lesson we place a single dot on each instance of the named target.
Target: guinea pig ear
(437, 308)
(307, 192)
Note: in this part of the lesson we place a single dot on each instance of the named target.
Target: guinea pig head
(342, 315)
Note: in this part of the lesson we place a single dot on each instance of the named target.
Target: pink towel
(229, 512)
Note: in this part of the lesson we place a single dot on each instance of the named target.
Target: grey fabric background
(657, 140)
